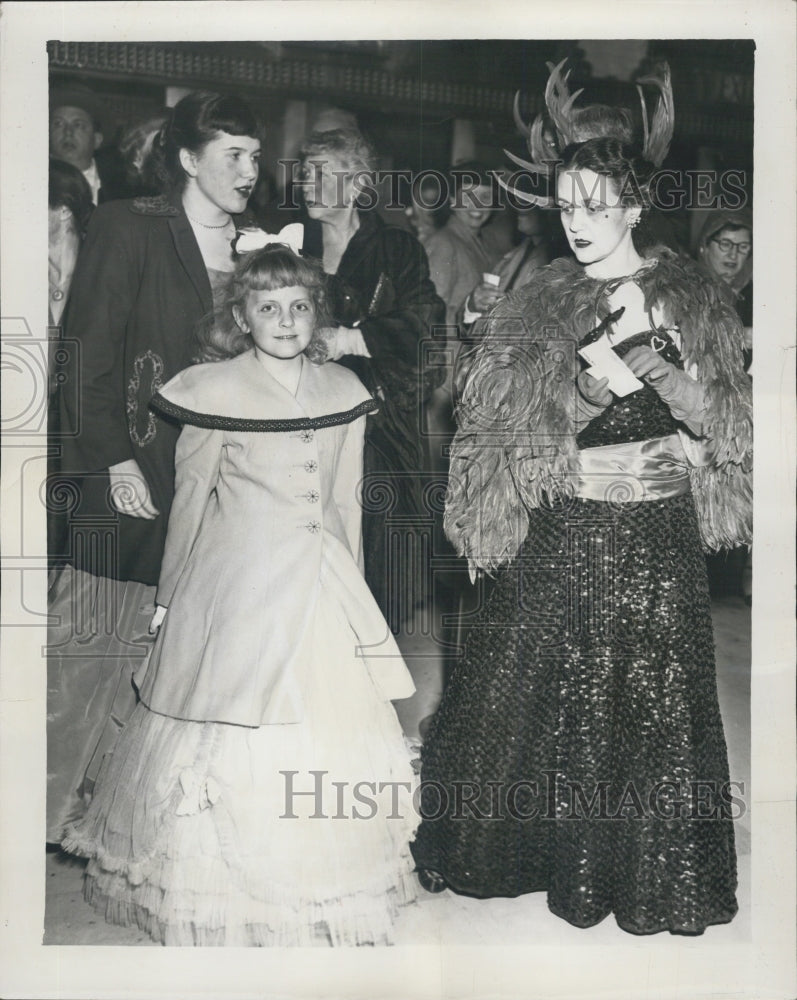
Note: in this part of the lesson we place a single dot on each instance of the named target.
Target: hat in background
(78, 96)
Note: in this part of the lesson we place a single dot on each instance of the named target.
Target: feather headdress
(571, 124)
(657, 138)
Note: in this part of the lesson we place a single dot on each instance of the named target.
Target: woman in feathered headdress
(579, 738)
(547, 136)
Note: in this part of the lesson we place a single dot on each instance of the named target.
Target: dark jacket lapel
(190, 257)
(188, 251)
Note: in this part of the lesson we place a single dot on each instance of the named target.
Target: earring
(633, 223)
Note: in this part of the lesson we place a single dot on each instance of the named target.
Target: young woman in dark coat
(145, 278)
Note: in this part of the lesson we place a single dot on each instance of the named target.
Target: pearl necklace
(206, 226)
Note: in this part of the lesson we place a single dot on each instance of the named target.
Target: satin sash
(639, 470)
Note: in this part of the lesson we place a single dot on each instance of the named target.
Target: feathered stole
(515, 447)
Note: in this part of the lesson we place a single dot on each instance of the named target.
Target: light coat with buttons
(265, 508)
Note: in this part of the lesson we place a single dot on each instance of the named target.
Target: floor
(458, 920)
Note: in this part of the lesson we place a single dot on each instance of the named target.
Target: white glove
(342, 341)
(157, 619)
(685, 397)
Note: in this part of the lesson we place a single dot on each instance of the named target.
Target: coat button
(312, 496)
(313, 527)
(306, 436)
(311, 466)
(58, 295)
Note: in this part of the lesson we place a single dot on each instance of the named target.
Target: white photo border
(660, 967)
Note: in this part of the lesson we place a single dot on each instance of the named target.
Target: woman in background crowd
(725, 249)
(428, 208)
(460, 252)
(145, 278)
(463, 249)
(515, 269)
(384, 307)
(70, 207)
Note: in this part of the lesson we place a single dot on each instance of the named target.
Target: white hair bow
(247, 240)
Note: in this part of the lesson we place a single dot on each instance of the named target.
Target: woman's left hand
(684, 395)
(649, 365)
(342, 341)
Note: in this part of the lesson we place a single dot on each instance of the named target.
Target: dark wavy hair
(135, 144)
(69, 188)
(194, 122)
(623, 164)
(272, 267)
(601, 120)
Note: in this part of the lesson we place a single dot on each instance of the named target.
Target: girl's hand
(157, 619)
(595, 390)
(343, 340)
(129, 492)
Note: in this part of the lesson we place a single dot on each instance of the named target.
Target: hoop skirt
(579, 748)
(204, 834)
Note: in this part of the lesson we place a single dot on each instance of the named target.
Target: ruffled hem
(236, 919)
(215, 834)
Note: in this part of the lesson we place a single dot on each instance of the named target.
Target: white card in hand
(606, 364)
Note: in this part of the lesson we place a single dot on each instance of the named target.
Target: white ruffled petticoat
(189, 834)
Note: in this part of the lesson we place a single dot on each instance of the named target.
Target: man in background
(76, 137)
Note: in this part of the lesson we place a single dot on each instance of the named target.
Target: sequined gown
(579, 747)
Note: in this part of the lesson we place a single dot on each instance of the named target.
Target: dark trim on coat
(216, 422)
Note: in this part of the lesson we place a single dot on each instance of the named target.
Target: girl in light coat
(265, 707)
